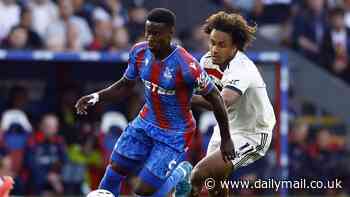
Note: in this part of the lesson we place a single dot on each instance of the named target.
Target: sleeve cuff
(129, 78)
(234, 89)
(209, 88)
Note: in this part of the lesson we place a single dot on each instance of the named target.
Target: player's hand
(55, 181)
(227, 150)
(6, 186)
(85, 102)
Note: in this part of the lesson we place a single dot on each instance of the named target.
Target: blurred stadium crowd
(52, 151)
(318, 29)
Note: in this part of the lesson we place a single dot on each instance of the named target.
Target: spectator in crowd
(9, 16)
(136, 23)
(102, 31)
(94, 154)
(273, 18)
(45, 156)
(112, 124)
(309, 27)
(14, 141)
(85, 163)
(120, 39)
(17, 39)
(6, 181)
(16, 130)
(21, 36)
(245, 6)
(18, 98)
(83, 9)
(336, 45)
(44, 13)
(66, 113)
(15, 116)
(34, 40)
(346, 6)
(117, 11)
(69, 32)
(321, 153)
(299, 151)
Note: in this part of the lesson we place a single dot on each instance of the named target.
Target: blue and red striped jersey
(169, 85)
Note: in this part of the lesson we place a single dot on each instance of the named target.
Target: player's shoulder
(206, 61)
(138, 47)
(184, 55)
(242, 63)
(188, 64)
(212, 69)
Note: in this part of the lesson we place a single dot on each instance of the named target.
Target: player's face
(221, 47)
(158, 36)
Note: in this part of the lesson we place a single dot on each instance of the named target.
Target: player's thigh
(131, 149)
(159, 165)
(249, 148)
(212, 166)
(244, 145)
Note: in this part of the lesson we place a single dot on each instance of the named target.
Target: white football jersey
(253, 112)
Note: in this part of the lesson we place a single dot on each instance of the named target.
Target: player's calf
(111, 179)
(144, 189)
(211, 168)
(115, 173)
(218, 191)
(198, 176)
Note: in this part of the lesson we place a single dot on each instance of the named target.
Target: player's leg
(248, 148)
(180, 174)
(211, 168)
(130, 151)
(158, 167)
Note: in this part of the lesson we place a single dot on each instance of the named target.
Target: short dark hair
(162, 15)
(337, 11)
(25, 10)
(235, 25)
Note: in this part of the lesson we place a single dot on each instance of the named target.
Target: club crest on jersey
(167, 73)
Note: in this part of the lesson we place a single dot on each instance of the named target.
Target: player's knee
(144, 190)
(118, 169)
(198, 174)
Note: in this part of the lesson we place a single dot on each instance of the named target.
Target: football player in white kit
(251, 115)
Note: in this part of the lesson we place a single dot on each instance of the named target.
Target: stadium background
(53, 52)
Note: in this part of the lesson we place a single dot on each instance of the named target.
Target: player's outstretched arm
(116, 90)
(218, 106)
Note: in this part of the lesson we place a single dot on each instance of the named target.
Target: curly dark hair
(241, 32)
